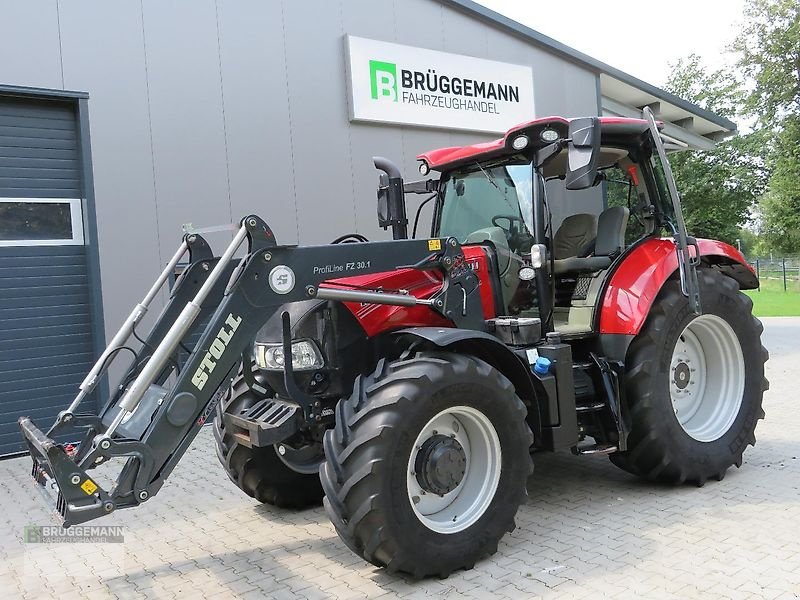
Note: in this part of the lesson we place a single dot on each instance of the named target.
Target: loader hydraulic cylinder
(175, 334)
(90, 381)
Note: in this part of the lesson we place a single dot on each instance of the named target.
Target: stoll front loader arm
(153, 426)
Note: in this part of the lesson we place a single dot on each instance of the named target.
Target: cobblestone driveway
(587, 530)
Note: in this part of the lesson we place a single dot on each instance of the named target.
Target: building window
(41, 222)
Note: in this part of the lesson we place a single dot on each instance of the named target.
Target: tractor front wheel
(287, 481)
(427, 464)
(694, 384)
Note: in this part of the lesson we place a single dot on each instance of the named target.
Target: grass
(772, 301)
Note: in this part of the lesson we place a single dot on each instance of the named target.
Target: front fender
(636, 282)
(491, 350)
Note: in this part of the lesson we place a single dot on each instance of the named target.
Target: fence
(778, 273)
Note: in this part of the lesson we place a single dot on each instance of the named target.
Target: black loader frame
(237, 300)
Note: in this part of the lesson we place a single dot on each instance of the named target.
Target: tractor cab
(557, 216)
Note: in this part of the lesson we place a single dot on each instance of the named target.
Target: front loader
(409, 381)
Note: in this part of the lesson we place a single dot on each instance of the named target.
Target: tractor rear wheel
(427, 464)
(694, 384)
(288, 481)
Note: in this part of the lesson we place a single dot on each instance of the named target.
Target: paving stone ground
(587, 530)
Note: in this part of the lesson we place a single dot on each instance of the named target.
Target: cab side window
(621, 191)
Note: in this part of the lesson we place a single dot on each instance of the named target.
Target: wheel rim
(452, 511)
(707, 378)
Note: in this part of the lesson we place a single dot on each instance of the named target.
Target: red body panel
(379, 318)
(442, 157)
(637, 281)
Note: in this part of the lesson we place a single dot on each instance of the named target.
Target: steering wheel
(516, 235)
(511, 219)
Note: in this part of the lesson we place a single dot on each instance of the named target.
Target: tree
(719, 187)
(769, 48)
(780, 207)
(748, 242)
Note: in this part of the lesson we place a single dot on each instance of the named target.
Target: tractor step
(267, 422)
(595, 450)
(590, 407)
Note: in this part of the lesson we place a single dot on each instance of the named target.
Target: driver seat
(575, 236)
(610, 242)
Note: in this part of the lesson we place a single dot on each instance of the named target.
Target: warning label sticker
(89, 487)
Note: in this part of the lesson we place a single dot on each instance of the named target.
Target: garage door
(46, 340)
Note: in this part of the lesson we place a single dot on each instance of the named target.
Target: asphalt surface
(588, 530)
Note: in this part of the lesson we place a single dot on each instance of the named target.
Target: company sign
(390, 83)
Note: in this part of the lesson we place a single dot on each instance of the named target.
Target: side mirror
(383, 201)
(391, 199)
(584, 153)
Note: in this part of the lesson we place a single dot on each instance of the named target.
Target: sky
(640, 38)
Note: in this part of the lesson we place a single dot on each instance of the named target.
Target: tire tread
(648, 452)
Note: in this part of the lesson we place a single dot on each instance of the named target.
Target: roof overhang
(690, 125)
(621, 94)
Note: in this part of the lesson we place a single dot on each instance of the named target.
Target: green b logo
(383, 80)
(32, 534)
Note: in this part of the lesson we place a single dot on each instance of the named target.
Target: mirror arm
(541, 278)
(423, 186)
(547, 153)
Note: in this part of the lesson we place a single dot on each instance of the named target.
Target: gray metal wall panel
(29, 44)
(186, 116)
(367, 141)
(257, 116)
(359, 18)
(103, 50)
(417, 22)
(464, 35)
(320, 140)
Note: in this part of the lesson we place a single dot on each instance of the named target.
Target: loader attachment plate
(77, 497)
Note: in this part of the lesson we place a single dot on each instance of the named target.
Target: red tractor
(409, 381)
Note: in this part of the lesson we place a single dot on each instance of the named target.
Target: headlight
(549, 135)
(520, 142)
(305, 356)
(527, 273)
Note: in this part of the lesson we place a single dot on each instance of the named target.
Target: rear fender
(490, 350)
(636, 282)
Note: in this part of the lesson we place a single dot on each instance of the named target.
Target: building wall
(204, 111)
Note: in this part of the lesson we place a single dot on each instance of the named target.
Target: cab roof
(455, 156)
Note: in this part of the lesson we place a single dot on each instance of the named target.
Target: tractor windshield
(482, 198)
